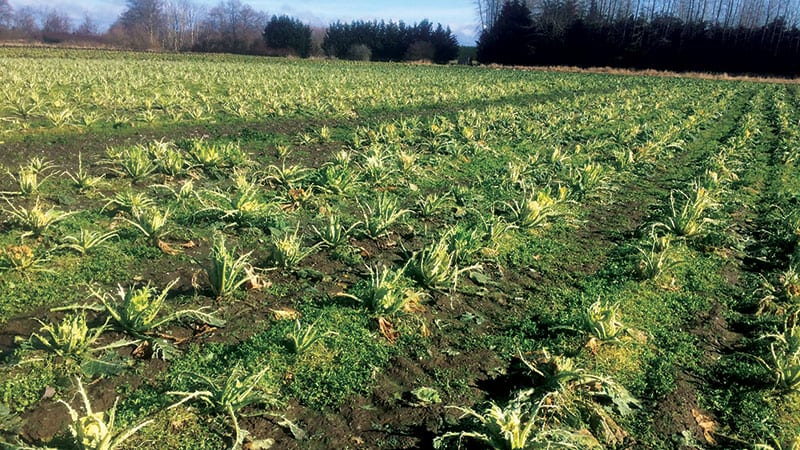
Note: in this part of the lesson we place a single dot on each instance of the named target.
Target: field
(205, 252)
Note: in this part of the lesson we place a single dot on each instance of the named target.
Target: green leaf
(10, 423)
(479, 278)
(622, 399)
(164, 349)
(200, 316)
(108, 365)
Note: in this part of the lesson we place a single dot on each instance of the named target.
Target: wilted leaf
(387, 330)
(166, 248)
(261, 444)
(707, 424)
(285, 314)
(293, 428)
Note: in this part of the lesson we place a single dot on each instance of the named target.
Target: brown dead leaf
(49, 392)
(605, 428)
(638, 336)
(189, 244)
(142, 351)
(387, 330)
(195, 282)
(166, 248)
(424, 331)
(593, 345)
(414, 304)
(707, 424)
(259, 444)
(204, 328)
(255, 282)
(299, 194)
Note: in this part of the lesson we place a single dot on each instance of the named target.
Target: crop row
(65, 92)
(220, 189)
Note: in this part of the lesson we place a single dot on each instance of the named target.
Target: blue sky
(459, 15)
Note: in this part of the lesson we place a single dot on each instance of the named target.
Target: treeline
(232, 27)
(48, 25)
(735, 36)
(381, 41)
(174, 25)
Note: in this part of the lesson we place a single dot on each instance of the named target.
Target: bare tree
(88, 27)
(24, 22)
(143, 22)
(232, 26)
(180, 24)
(317, 38)
(488, 11)
(6, 15)
(55, 23)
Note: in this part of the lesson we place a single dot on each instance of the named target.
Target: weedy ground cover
(307, 256)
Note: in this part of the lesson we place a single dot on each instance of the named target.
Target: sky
(459, 15)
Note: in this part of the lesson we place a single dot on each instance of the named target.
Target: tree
(232, 27)
(24, 22)
(445, 45)
(285, 32)
(392, 41)
(6, 15)
(87, 28)
(507, 41)
(750, 36)
(56, 24)
(142, 21)
(359, 52)
(488, 12)
(420, 51)
(180, 25)
(317, 38)
(337, 40)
